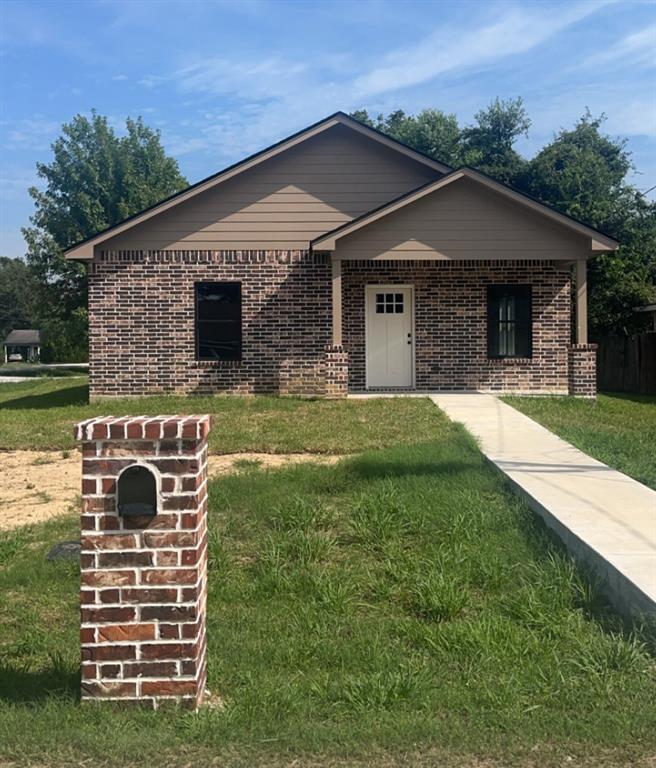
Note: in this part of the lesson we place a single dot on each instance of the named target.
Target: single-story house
(340, 261)
(26, 343)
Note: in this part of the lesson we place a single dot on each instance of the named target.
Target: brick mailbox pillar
(144, 558)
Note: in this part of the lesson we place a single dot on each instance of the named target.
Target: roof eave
(82, 252)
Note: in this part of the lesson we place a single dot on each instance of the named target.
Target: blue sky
(224, 79)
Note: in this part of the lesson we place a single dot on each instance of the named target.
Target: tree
(15, 296)
(95, 180)
(582, 173)
(432, 132)
(488, 144)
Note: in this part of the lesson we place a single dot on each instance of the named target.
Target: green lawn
(399, 608)
(38, 415)
(38, 370)
(619, 430)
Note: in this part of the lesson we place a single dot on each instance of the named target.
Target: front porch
(482, 275)
(431, 326)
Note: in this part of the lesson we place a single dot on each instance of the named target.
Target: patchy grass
(399, 608)
(38, 415)
(619, 430)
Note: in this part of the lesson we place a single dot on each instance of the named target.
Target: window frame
(521, 292)
(197, 322)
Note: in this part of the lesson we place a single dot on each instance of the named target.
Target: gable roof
(84, 249)
(19, 337)
(599, 240)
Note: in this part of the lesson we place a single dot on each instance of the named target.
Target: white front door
(389, 336)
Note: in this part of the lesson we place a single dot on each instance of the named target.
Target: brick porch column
(144, 577)
(582, 373)
(582, 357)
(336, 371)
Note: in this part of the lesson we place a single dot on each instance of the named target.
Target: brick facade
(336, 372)
(451, 323)
(583, 370)
(142, 324)
(144, 579)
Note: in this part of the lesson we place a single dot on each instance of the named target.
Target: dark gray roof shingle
(23, 337)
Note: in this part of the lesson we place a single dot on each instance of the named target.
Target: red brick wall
(141, 322)
(583, 370)
(336, 372)
(451, 323)
(144, 579)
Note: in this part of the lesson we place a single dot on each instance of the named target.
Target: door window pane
(390, 303)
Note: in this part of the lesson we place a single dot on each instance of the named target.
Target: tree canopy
(95, 179)
(16, 309)
(432, 132)
(581, 172)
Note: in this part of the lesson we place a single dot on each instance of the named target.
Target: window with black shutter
(218, 321)
(509, 322)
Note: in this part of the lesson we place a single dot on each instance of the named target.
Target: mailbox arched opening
(138, 491)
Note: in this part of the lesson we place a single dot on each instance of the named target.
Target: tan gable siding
(463, 221)
(288, 200)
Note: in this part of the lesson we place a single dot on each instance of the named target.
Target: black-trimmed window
(509, 323)
(218, 321)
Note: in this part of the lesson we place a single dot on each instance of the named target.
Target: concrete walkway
(605, 518)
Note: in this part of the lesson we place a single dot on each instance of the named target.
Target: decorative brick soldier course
(144, 578)
(583, 370)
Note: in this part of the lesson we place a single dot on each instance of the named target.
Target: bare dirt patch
(39, 485)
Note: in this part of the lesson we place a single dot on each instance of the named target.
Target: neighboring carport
(25, 342)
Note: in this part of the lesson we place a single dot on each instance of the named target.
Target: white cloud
(118, 78)
(633, 116)
(635, 50)
(34, 133)
(266, 99)
(270, 97)
(518, 30)
(152, 81)
(15, 181)
(250, 79)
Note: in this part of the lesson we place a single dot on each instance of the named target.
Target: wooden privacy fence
(627, 364)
